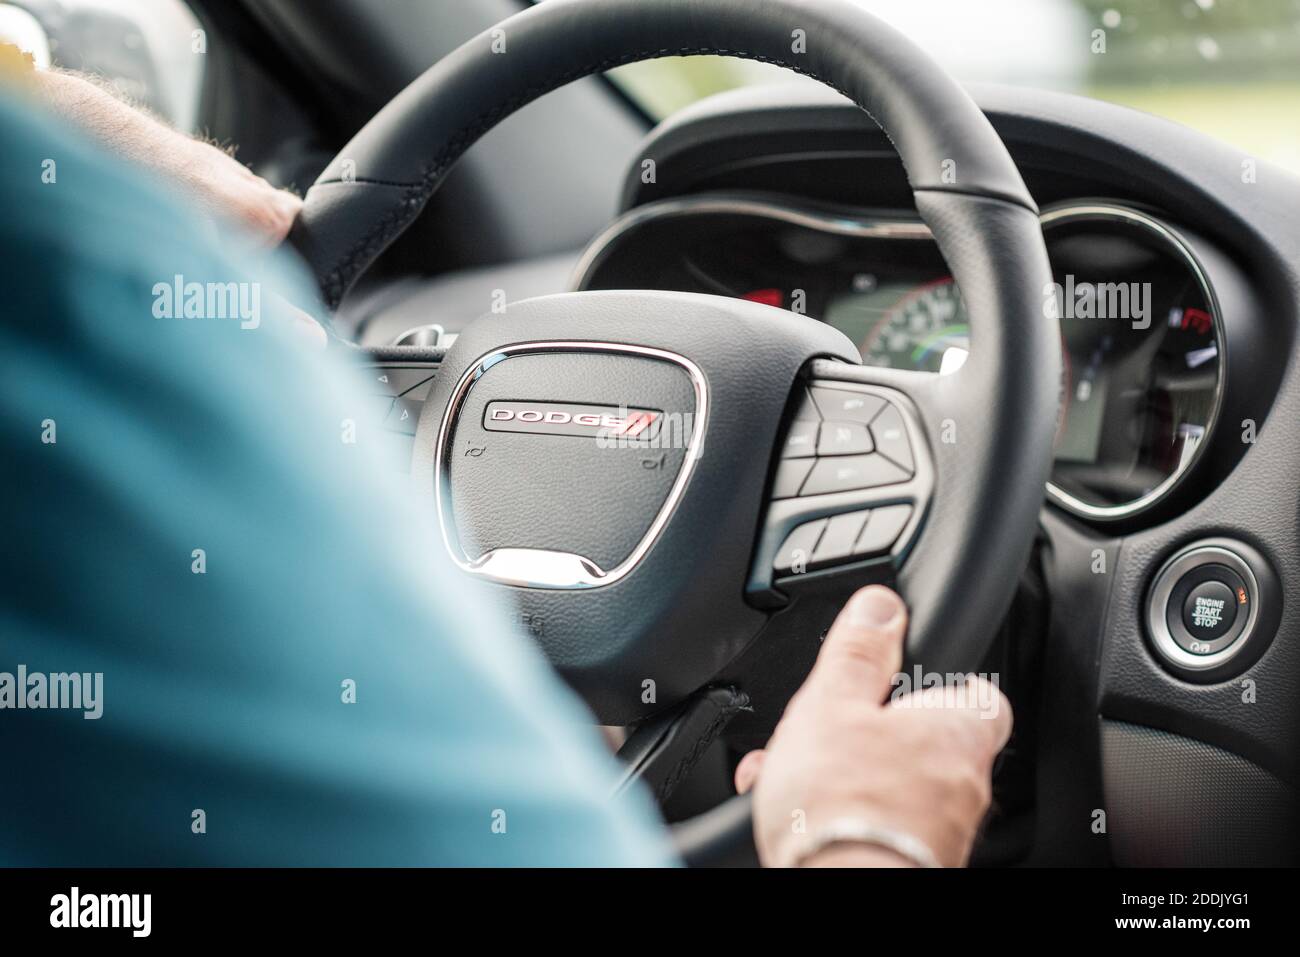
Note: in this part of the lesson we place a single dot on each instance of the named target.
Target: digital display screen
(1085, 415)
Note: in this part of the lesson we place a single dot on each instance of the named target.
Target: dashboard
(1141, 333)
(1176, 294)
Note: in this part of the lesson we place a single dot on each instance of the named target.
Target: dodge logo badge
(562, 418)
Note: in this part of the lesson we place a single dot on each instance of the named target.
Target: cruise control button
(837, 541)
(789, 477)
(388, 381)
(798, 548)
(1209, 610)
(844, 438)
(882, 529)
(891, 437)
(847, 472)
(847, 406)
(801, 441)
(404, 416)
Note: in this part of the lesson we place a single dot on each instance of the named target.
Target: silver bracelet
(855, 830)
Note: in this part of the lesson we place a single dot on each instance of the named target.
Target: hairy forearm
(210, 176)
(126, 129)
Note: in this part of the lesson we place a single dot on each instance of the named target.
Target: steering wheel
(680, 490)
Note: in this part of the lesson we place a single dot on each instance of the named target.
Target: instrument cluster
(1141, 337)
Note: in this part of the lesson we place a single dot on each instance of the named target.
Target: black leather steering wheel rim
(990, 426)
(400, 158)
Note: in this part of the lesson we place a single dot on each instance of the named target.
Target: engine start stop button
(1204, 606)
(1209, 611)
(1207, 608)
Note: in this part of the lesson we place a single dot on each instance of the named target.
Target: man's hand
(919, 765)
(214, 179)
(227, 187)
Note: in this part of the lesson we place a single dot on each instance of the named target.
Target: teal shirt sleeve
(224, 691)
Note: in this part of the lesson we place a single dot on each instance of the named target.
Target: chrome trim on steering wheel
(545, 568)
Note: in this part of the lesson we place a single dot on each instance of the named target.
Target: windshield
(1230, 68)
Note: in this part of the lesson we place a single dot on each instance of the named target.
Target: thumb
(864, 648)
(748, 769)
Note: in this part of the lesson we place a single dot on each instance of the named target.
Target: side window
(150, 51)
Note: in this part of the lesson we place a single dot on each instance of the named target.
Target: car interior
(1026, 355)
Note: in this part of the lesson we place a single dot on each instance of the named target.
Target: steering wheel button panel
(849, 472)
(395, 381)
(844, 438)
(790, 476)
(796, 554)
(802, 440)
(837, 541)
(882, 529)
(404, 416)
(843, 507)
(891, 437)
(844, 406)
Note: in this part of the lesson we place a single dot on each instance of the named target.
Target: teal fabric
(224, 691)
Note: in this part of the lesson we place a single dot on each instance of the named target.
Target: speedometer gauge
(1142, 329)
(927, 329)
(1142, 351)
